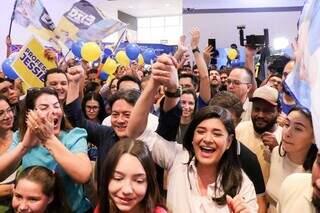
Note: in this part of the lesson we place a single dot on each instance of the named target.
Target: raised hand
(269, 140)
(237, 204)
(8, 41)
(207, 54)
(164, 71)
(182, 48)
(75, 74)
(41, 126)
(195, 37)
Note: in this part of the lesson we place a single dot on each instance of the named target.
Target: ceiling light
(280, 43)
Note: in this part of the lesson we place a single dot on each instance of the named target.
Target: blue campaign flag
(304, 80)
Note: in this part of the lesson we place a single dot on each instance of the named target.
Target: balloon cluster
(90, 51)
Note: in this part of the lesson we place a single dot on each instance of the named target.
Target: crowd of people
(176, 138)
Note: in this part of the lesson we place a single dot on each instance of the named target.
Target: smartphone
(212, 42)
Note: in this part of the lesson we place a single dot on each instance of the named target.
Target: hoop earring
(279, 150)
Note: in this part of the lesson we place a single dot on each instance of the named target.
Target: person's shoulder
(244, 124)
(293, 179)
(73, 134)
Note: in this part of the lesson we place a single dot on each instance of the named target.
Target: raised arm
(205, 92)
(74, 113)
(249, 63)
(163, 72)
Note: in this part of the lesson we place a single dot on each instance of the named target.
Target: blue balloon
(106, 53)
(8, 70)
(76, 48)
(103, 76)
(132, 51)
(149, 55)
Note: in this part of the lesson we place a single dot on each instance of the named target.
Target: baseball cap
(266, 93)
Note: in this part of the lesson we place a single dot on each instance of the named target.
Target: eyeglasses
(92, 108)
(235, 82)
(3, 113)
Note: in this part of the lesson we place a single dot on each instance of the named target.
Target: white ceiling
(224, 4)
(142, 8)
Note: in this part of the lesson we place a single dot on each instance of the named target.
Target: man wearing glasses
(239, 83)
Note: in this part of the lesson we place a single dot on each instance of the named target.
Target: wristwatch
(196, 50)
(175, 94)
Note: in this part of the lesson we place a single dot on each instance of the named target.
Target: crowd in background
(172, 138)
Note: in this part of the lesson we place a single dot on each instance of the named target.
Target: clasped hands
(40, 128)
(164, 72)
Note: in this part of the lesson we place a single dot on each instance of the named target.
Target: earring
(279, 150)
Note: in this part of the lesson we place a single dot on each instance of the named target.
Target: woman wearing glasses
(6, 122)
(93, 107)
(45, 138)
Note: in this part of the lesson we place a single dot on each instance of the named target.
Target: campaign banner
(304, 80)
(31, 64)
(85, 22)
(34, 16)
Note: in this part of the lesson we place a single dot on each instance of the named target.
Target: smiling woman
(128, 179)
(206, 173)
(44, 138)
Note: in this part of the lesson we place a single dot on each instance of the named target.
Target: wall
(223, 26)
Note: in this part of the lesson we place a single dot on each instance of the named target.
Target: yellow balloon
(232, 54)
(90, 51)
(140, 60)
(122, 58)
(110, 66)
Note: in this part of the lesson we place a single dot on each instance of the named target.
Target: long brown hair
(141, 152)
(29, 103)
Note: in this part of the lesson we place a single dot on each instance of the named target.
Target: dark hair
(276, 63)
(229, 165)
(313, 150)
(223, 71)
(194, 95)
(274, 75)
(129, 78)
(6, 79)
(4, 98)
(130, 96)
(92, 71)
(91, 86)
(53, 71)
(51, 186)
(194, 80)
(112, 82)
(229, 101)
(139, 150)
(29, 103)
(92, 95)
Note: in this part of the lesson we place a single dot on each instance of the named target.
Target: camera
(253, 41)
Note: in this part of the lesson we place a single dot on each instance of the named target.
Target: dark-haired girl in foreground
(128, 180)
